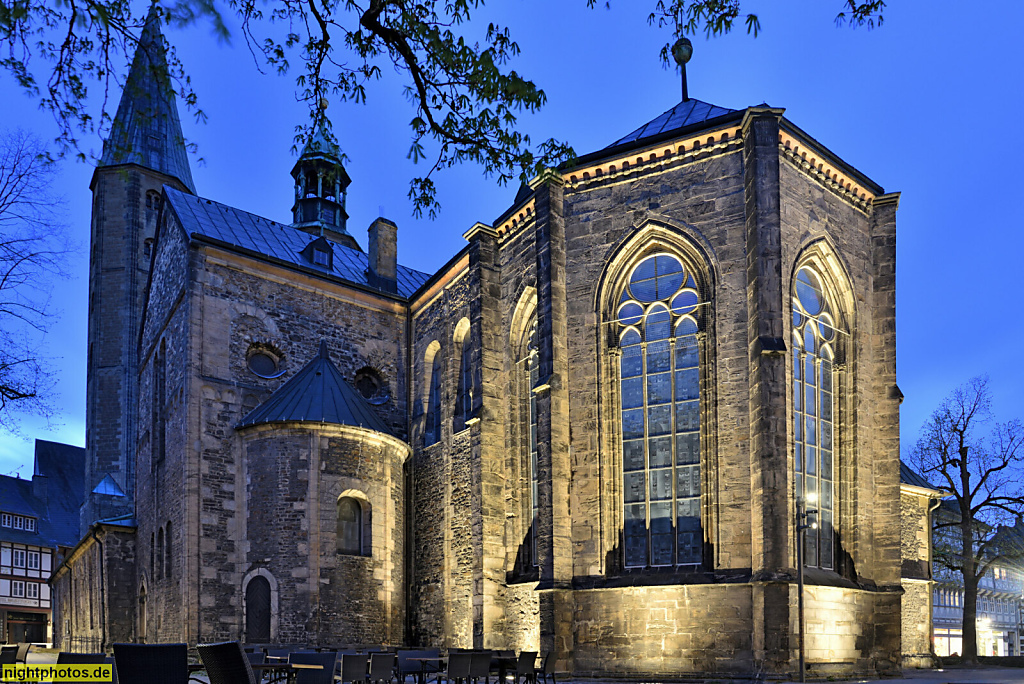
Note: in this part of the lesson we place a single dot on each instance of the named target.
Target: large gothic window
(814, 339)
(660, 385)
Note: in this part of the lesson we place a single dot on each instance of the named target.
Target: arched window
(160, 553)
(531, 366)
(658, 318)
(464, 396)
(814, 341)
(350, 526)
(432, 433)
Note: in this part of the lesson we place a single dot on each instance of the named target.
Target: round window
(373, 388)
(264, 364)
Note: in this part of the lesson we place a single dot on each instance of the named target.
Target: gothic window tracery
(464, 395)
(814, 343)
(657, 321)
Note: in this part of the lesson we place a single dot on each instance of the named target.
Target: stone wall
(663, 631)
(916, 615)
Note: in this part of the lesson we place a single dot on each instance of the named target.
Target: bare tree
(32, 248)
(964, 451)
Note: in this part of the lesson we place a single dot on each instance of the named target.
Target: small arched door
(257, 610)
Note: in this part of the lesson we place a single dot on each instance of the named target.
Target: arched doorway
(257, 610)
(142, 615)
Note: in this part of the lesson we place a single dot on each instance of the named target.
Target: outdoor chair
(278, 652)
(382, 667)
(526, 667)
(480, 666)
(65, 658)
(547, 669)
(256, 658)
(109, 660)
(225, 663)
(8, 655)
(152, 663)
(326, 660)
(23, 650)
(354, 667)
(458, 668)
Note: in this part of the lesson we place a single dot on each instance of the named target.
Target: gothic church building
(586, 433)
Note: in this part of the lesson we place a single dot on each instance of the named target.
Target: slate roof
(146, 130)
(317, 394)
(205, 218)
(909, 476)
(686, 113)
(63, 466)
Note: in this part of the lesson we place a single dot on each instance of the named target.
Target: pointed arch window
(531, 370)
(658, 320)
(432, 433)
(814, 341)
(464, 395)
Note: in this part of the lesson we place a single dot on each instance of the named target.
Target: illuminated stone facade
(580, 433)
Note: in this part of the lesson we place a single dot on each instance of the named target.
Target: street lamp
(805, 518)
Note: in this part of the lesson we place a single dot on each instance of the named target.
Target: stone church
(586, 433)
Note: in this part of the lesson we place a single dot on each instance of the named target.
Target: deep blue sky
(928, 105)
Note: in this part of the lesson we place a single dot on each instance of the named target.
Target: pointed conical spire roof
(317, 394)
(146, 130)
(322, 143)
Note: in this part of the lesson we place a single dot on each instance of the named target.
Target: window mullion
(647, 454)
(672, 433)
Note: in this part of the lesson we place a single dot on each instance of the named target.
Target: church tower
(321, 185)
(144, 152)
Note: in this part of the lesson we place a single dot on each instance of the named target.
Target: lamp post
(805, 518)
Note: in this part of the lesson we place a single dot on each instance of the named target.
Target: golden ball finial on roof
(324, 104)
(681, 53)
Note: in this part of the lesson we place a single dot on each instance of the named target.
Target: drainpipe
(103, 599)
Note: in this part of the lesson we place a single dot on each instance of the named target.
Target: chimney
(383, 273)
(39, 487)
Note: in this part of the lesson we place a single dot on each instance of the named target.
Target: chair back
(549, 663)
(354, 667)
(151, 663)
(278, 652)
(326, 660)
(480, 664)
(23, 650)
(382, 667)
(8, 655)
(406, 664)
(109, 660)
(459, 665)
(225, 663)
(65, 658)
(256, 658)
(527, 663)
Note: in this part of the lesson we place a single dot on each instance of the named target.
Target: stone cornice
(657, 157)
(804, 157)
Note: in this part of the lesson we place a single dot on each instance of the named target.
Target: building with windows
(38, 521)
(585, 434)
(999, 605)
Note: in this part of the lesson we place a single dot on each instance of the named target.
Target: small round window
(373, 388)
(264, 363)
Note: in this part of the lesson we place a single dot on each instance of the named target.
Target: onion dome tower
(321, 185)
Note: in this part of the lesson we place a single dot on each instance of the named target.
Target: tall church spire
(146, 130)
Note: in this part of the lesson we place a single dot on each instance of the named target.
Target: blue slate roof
(317, 394)
(686, 113)
(909, 476)
(146, 129)
(62, 466)
(205, 218)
